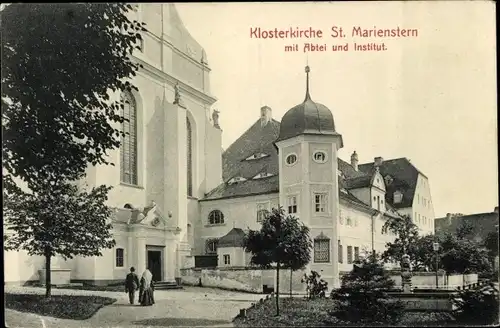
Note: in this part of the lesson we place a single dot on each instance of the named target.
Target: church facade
(177, 195)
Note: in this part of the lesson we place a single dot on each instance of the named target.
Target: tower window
(319, 156)
(321, 249)
(320, 203)
(291, 159)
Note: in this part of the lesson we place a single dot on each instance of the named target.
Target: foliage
(58, 219)
(462, 255)
(316, 287)
(60, 306)
(405, 242)
(478, 306)
(464, 230)
(282, 240)
(60, 65)
(491, 243)
(363, 294)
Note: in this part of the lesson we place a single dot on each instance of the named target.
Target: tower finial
(307, 82)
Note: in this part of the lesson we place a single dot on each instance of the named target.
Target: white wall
(423, 206)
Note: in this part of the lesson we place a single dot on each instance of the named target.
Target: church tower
(308, 145)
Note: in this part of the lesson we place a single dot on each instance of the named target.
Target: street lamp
(435, 247)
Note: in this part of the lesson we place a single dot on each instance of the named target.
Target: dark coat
(131, 282)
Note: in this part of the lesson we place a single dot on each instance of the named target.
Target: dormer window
(398, 197)
(256, 156)
(388, 179)
(319, 157)
(262, 175)
(236, 180)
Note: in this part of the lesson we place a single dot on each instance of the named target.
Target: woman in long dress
(146, 297)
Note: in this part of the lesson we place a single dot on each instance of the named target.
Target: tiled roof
(260, 139)
(482, 223)
(257, 139)
(233, 238)
(404, 176)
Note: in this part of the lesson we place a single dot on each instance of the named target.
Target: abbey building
(176, 195)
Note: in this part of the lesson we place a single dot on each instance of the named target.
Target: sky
(429, 98)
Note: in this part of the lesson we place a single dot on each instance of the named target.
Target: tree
(462, 255)
(58, 219)
(60, 63)
(283, 241)
(405, 242)
(491, 244)
(363, 294)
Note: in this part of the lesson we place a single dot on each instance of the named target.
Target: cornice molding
(205, 98)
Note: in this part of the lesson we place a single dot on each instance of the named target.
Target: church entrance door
(155, 256)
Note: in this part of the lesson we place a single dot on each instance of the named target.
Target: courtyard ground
(192, 307)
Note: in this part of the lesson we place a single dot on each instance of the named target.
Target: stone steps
(163, 285)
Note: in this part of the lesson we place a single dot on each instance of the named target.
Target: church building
(177, 195)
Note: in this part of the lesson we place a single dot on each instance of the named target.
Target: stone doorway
(154, 261)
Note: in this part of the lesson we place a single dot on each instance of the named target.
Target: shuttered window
(128, 147)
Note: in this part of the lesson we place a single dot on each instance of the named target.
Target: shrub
(478, 306)
(362, 296)
(315, 286)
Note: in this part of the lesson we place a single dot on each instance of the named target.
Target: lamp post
(435, 247)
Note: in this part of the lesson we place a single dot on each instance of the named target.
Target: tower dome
(309, 117)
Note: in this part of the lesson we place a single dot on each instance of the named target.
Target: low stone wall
(243, 279)
(427, 280)
(57, 276)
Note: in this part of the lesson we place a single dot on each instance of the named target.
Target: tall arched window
(128, 148)
(189, 163)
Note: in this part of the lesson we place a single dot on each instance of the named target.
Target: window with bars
(211, 246)
(292, 204)
(262, 211)
(128, 148)
(119, 257)
(189, 166)
(216, 217)
(320, 203)
(341, 253)
(321, 249)
(349, 254)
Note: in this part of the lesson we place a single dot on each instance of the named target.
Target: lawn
(302, 312)
(58, 306)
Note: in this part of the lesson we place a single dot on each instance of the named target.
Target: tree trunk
(47, 275)
(291, 273)
(277, 288)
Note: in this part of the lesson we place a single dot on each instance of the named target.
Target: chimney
(266, 114)
(378, 161)
(354, 161)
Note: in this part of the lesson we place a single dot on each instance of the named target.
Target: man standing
(131, 284)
